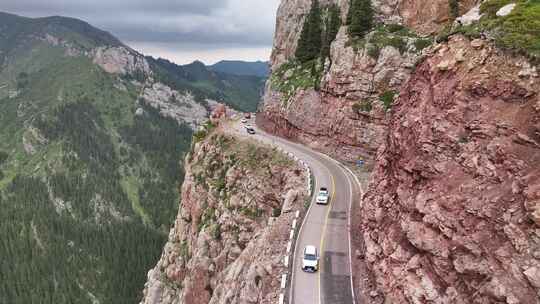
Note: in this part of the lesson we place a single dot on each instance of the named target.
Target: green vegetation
(394, 35)
(422, 43)
(240, 92)
(242, 68)
(207, 218)
(252, 212)
(387, 99)
(55, 258)
(332, 23)
(204, 130)
(491, 7)
(360, 18)
(87, 201)
(453, 6)
(292, 76)
(363, 106)
(184, 250)
(310, 42)
(320, 29)
(517, 32)
(520, 30)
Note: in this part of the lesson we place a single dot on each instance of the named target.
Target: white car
(310, 262)
(323, 196)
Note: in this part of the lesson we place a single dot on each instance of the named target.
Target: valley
(387, 153)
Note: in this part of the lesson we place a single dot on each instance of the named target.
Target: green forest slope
(88, 189)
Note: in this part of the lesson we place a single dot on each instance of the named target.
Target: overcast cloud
(180, 30)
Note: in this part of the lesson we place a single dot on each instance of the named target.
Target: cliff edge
(230, 235)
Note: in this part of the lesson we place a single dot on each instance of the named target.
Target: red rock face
(451, 215)
(230, 233)
(429, 17)
(327, 123)
(327, 120)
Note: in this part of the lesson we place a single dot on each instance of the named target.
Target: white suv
(323, 196)
(310, 262)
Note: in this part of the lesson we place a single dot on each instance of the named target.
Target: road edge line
(350, 228)
(300, 229)
(323, 234)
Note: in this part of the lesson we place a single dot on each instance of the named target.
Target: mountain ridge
(243, 68)
(91, 149)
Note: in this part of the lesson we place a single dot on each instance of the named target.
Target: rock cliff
(451, 215)
(368, 72)
(230, 235)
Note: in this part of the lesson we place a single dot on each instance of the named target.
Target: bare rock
(533, 275)
(120, 60)
(180, 106)
(506, 10)
(454, 196)
(290, 199)
(471, 16)
(221, 249)
(477, 43)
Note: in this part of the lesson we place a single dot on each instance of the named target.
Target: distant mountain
(259, 68)
(92, 135)
(242, 92)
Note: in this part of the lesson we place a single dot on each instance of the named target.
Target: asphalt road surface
(326, 227)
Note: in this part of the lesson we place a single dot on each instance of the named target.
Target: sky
(179, 30)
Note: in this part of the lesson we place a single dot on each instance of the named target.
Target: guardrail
(296, 225)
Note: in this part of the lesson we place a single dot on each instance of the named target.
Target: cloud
(182, 24)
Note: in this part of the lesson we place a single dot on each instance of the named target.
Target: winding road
(326, 227)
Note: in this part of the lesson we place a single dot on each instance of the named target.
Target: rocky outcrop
(328, 119)
(180, 106)
(120, 60)
(229, 238)
(429, 17)
(452, 212)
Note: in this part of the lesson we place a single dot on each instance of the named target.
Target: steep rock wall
(451, 215)
(229, 239)
(327, 119)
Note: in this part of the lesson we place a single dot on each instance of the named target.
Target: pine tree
(309, 45)
(333, 22)
(454, 8)
(360, 17)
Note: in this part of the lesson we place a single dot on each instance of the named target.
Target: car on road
(310, 261)
(323, 196)
(250, 129)
(244, 121)
(247, 115)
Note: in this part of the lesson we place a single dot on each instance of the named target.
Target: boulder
(506, 10)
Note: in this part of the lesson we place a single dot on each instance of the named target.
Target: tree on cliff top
(454, 8)
(332, 24)
(360, 17)
(309, 45)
